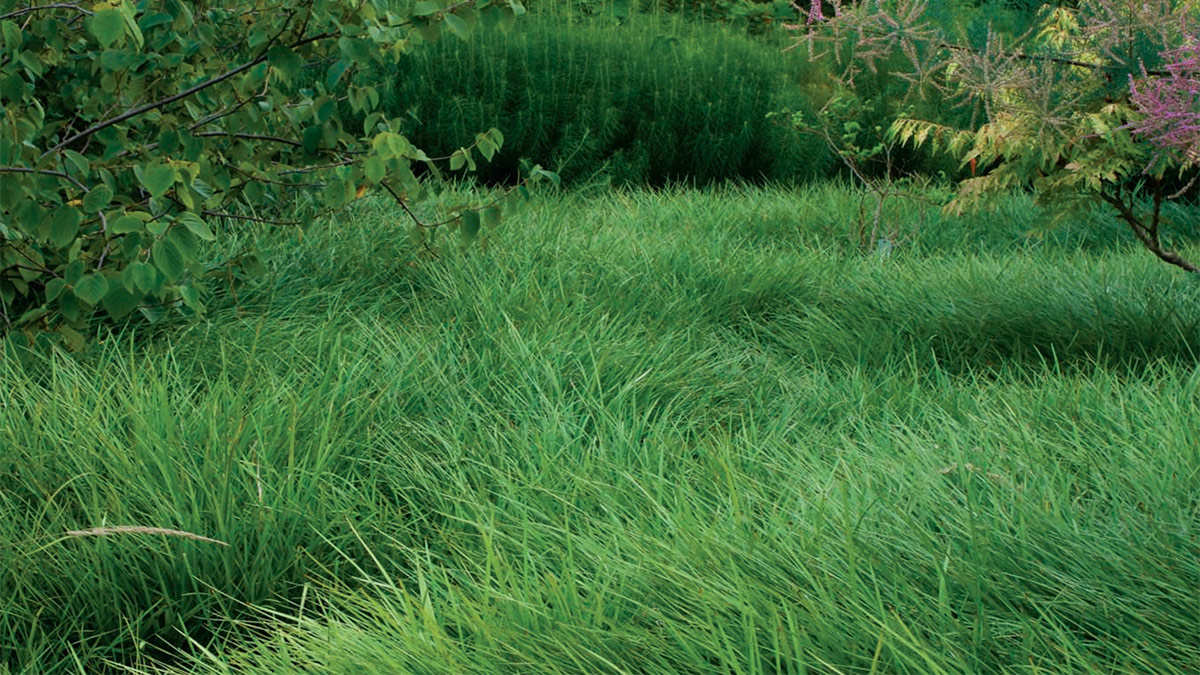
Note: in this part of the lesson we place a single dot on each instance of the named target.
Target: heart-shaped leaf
(91, 288)
(158, 178)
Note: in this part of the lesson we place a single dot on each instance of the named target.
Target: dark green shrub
(755, 17)
(652, 102)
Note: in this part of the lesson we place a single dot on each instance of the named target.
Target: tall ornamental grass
(677, 432)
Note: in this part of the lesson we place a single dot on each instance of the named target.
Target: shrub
(651, 102)
(133, 128)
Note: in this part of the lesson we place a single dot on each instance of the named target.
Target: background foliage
(650, 102)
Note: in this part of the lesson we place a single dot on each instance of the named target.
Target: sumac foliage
(1094, 104)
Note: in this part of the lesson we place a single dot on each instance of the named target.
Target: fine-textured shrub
(651, 102)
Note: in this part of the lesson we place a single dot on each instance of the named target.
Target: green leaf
(429, 31)
(54, 288)
(64, 226)
(73, 272)
(311, 139)
(107, 25)
(91, 288)
(144, 276)
(32, 315)
(286, 61)
(157, 178)
(168, 259)
(425, 8)
(491, 216)
(458, 159)
(197, 226)
(191, 298)
(508, 18)
(74, 339)
(13, 87)
(374, 169)
(68, 306)
(119, 302)
(458, 26)
(186, 242)
(335, 72)
(470, 225)
(129, 12)
(356, 50)
(11, 34)
(334, 194)
(97, 198)
(125, 225)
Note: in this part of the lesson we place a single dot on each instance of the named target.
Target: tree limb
(1148, 237)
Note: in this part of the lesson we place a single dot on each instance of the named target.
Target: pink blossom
(1170, 104)
(814, 12)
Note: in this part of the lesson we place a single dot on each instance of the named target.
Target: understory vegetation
(684, 432)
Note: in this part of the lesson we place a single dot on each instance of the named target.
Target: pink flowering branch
(1170, 105)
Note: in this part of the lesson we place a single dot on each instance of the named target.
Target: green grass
(681, 432)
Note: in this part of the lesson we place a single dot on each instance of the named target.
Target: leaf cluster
(133, 130)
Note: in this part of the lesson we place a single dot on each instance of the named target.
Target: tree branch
(176, 97)
(254, 219)
(39, 8)
(1148, 238)
(45, 172)
(251, 137)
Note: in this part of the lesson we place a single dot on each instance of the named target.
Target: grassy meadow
(686, 432)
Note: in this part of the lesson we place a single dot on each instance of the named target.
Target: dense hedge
(645, 102)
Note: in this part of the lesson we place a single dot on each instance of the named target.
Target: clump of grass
(678, 432)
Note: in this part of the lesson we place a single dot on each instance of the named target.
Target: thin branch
(251, 137)
(39, 8)
(273, 139)
(1144, 235)
(229, 111)
(45, 172)
(181, 95)
(254, 219)
(317, 167)
(403, 204)
(260, 179)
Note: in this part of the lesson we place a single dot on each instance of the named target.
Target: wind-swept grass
(682, 432)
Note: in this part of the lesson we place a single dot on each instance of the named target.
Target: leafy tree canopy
(132, 128)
